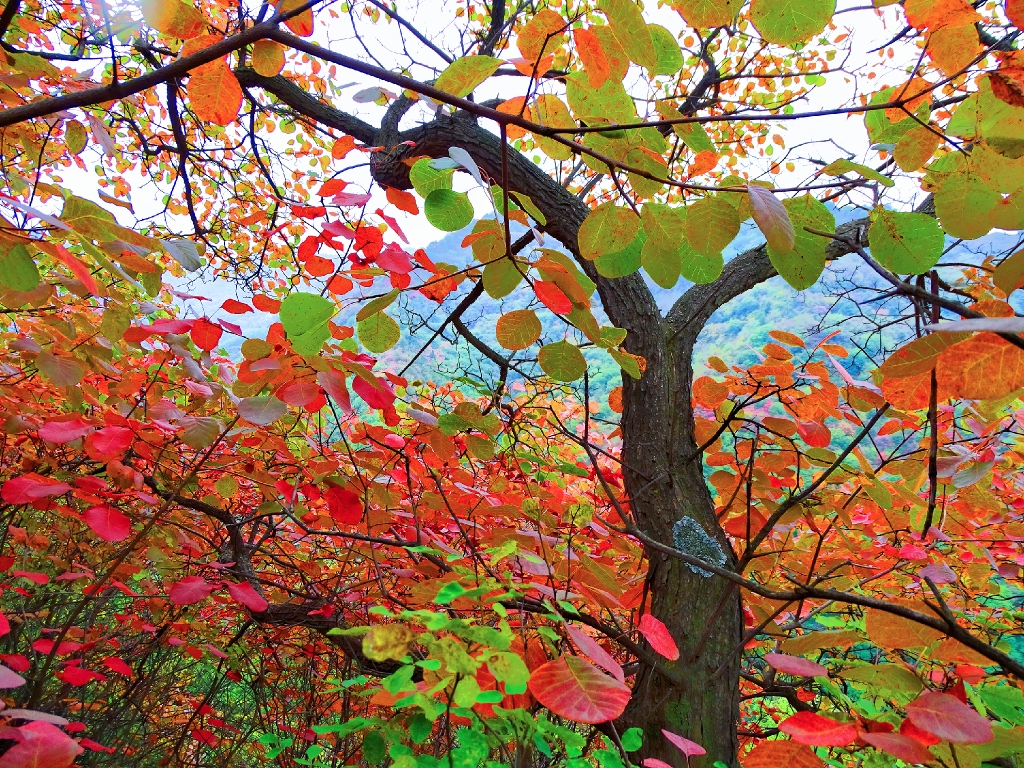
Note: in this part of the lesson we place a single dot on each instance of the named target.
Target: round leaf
(378, 333)
(17, 270)
(447, 210)
(562, 361)
(577, 690)
(905, 242)
(788, 22)
(518, 330)
(607, 229)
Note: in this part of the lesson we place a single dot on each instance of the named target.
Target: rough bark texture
(698, 695)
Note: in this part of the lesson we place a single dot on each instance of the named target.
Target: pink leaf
(299, 393)
(65, 430)
(378, 398)
(31, 487)
(905, 748)
(40, 745)
(687, 747)
(109, 441)
(394, 259)
(949, 718)
(577, 690)
(245, 594)
(108, 523)
(333, 383)
(817, 731)
(346, 199)
(653, 762)
(9, 678)
(596, 653)
(794, 665)
(5, 625)
(188, 591)
(771, 218)
(657, 634)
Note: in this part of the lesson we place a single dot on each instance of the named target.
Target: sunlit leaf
(577, 690)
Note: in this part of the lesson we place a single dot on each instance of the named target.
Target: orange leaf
(982, 368)
(953, 48)
(205, 334)
(214, 93)
(301, 25)
(402, 200)
(342, 147)
(173, 17)
(543, 35)
(702, 163)
(889, 631)
(514, 106)
(331, 187)
(265, 303)
(938, 14)
(615, 399)
(592, 55)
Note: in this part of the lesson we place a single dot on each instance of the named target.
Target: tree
(490, 567)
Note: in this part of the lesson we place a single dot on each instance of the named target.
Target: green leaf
(465, 74)
(841, 166)
(115, 322)
(425, 178)
(447, 210)
(304, 317)
(801, 266)
(501, 277)
(660, 256)
(530, 208)
(1009, 275)
(631, 31)
(377, 305)
(607, 229)
(711, 224)
(449, 592)
(963, 204)
(608, 104)
(788, 22)
(627, 363)
(706, 14)
(698, 268)
(378, 333)
(669, 57)
(624, 262)
(18, 270)
(632, 739)
(562, 361)
(905, 242)
(373, 748)
(509, 668)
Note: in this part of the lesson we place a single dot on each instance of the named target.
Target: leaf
(378, 333)
(711, 224)
(377, 305)
(796, 666)
(214, 93)
(301, 24)
(465, 74)
(552, 297)
(305, 318)
(267, 58)
(841, 166)
(447, 210)
(108, 443)
(577, 690)
(607, 229)
(562, 361)
(631, 31)
(425, 178)
(65, 430)
(945, 716)
(818, 731)
(624, 262)
(788, 22)
(386, 642)
(983, 367)
(1009, 275)
(30, 487)
(108, 523)
(905, 242)
(975, 324)
(200, 432)
(595, 62)
(61, 371)
(188, 591)
(518, 329)
(812, 641)
(343, 505)
(40, 745)
(772, 219)
(9, 678)
(903, 747)
(593, 650)
(918, 356)
(245, 594)
(184, 252)
(18, 270)
(205, 335)
(262, 411)
(707, 14)
(775, 754)
(656, 633)
(660, 255)
(890, 631)
(687, 747)
(802, 266)
(173, 17)
(542, 35)
(669, 59)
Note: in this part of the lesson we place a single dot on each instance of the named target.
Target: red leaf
(687, 747)
(577, 690)
(657, 634)
(794, 665)
(403, 201)
(108, 443)
(552, 297)
(108, 523)
(78, 677)
(331, 187)
(95, 746)
(814, 434)
(5, 625)
(245, 594)
(65, 430)
(905, 748)
(817, 731)
(78, 269)
(596, 653)
(394, 259)
(188, 591)
(771, 218)
(35, 578)
(333, 383)
(206, 335)
(235, 307)
(31, 487)
(373, 396)
(40, 745)
(907, 728)
(265, 303)
(115, 664)
(949, 718)
(344, 506)
(299, 393)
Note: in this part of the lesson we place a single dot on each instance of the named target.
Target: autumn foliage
(246, 531)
